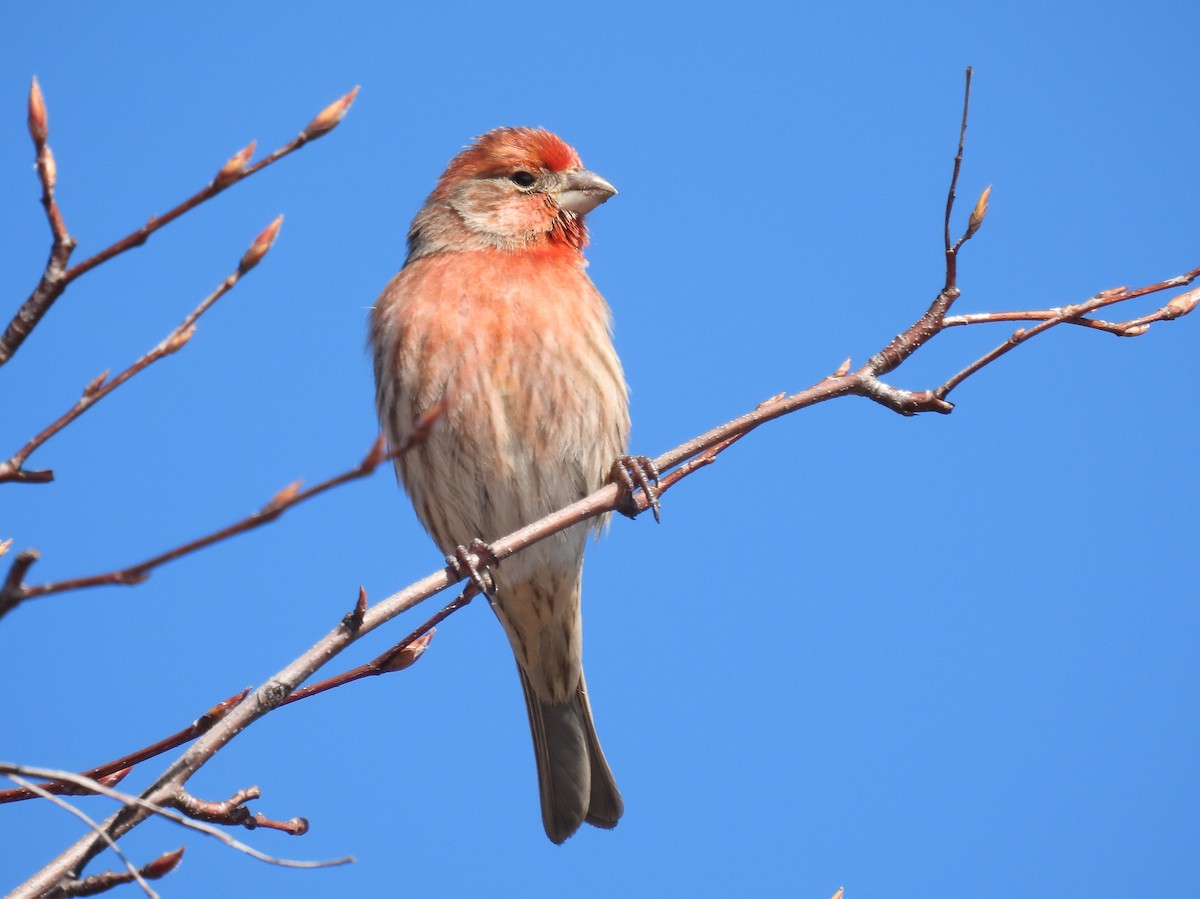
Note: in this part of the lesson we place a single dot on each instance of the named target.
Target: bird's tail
(574, 779)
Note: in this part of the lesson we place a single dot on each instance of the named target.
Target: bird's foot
(463, 563)
(631, 472)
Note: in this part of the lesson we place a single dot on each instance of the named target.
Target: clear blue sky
(942, 656)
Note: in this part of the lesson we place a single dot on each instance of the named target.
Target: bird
(493, 324)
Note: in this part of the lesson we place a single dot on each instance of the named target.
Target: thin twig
(1186, 302)
(136, 238)
(57, 276)
(54, 278)
(157, 808)
(232, 812)
(399, 657)
(86, 819)
(109, 771)
(14, 591)
(107, 880)
(102, 386)
(1133, 327)
(929, 324)
(951, 251)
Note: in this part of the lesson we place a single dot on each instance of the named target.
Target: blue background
(941, 656)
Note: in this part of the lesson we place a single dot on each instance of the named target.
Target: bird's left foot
(630, 473)
(463, 563)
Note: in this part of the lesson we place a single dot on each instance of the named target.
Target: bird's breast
(517, 350)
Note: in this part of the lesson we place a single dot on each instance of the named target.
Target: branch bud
(235, 167)
(178, 340)
(282, 498)
(980, 210)
(5, 545)
(219, 711)
(407, 656)
(1135, 331)
(260, 246)
(49, 168)
(1184, 303)
(39, 127)
(111, 780)
(96, 383)
(327, 119)
(163, 865)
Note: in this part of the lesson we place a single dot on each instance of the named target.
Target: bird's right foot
(464, 564)
(631, 473)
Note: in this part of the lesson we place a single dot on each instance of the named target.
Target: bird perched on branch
(494, 320)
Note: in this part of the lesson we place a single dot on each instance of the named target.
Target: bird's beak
(582, 191)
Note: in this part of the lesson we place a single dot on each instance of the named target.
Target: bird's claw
(463, 563)
(631, 472)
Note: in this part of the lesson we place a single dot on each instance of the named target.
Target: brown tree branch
(952, 251)
(112, 773)
(14, 591)
(1134, 327)
(231, 173)
(1179, 306)
(399, 657)
(57, 276)
(102, 385)
(132, 873)
(54, 278)
(162, 808)
(105, 881)
(232, 812)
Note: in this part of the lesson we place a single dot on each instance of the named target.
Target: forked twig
(156, 808)
(56, 277)
(103, 385)
(399, 657)
(14, 591)
(133, 873)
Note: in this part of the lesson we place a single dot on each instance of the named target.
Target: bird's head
(513, 189)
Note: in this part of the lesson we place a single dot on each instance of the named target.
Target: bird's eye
(522, 178)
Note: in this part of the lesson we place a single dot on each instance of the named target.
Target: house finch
(493, 318)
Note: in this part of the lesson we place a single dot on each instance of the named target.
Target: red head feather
(504, 150)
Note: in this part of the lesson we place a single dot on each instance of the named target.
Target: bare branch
(233, 812)
(153, 808)
(57, 276)
(133, 873)
(112, 773)
(225, 178)
(952, 251)
(14, 591)
(101, 386)
(54, 278)
(1186, 302)
(101, 883)
(399, 657)
(403, 655)
(1134, 327)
